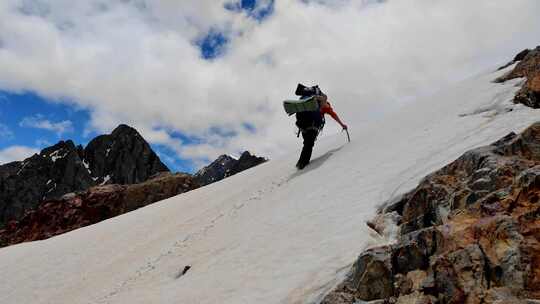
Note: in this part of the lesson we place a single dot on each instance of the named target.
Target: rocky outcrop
(225, 166)
(520, 56)
(84, 208)
(528, 67)
(123, 157)
(468, 233)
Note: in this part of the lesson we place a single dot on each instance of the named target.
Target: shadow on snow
(315, 163)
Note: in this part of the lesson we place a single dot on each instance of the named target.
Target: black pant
(309, 140)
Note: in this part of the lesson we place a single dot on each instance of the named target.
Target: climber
(310, 123)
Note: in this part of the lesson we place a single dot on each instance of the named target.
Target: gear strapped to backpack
(307, 109)
(303, 91)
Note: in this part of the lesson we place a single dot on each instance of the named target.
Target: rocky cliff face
(76, 210)
(528, 67)
(55, 171)
(225, 166)
(123, 157)
(469, 233)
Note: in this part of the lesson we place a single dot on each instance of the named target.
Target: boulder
(371, 277)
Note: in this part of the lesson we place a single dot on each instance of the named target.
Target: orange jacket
(327, 109)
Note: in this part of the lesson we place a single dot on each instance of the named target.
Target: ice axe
(347, 131)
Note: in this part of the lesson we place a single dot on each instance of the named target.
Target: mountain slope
(267, 235)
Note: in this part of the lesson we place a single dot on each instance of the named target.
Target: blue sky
(249, 7)
(16, 107)
(214, 43)
(30, 120)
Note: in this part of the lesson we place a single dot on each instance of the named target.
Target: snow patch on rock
(56, 155)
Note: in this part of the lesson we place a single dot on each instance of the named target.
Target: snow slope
(270, 234)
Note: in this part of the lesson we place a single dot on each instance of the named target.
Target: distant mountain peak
(225, 166)
(223, 160)
(122, 157)
(61, 145)
(124, 129)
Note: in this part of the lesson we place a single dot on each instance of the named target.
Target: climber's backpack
(307, 120)
(309, 103)
(307, 109)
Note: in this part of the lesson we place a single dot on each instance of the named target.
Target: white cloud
(5, 132)
(16, 153)
(135, 62)
(39, 122)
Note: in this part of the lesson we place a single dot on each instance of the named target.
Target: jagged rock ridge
(225, 166)
(123, 157)
(529, 67)
(469, 233)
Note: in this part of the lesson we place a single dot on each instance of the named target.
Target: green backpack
(303, 105)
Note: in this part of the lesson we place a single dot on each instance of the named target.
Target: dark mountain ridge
(122, 157)
(225, 166)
